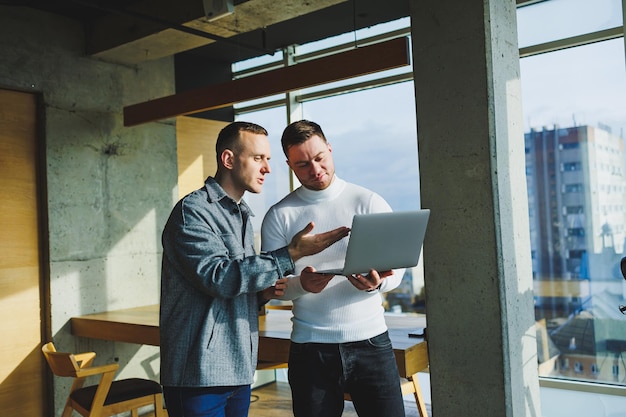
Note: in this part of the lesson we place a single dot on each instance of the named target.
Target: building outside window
(574, 123)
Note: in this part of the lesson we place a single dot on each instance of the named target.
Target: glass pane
(374, 139)
(576, 86)
(557, 19)
(260, 101)
(576, 171)
(351, 37)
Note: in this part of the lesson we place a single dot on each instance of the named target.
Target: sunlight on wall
(195, 140)
(131, 264)
(190, 177)
(27, 329)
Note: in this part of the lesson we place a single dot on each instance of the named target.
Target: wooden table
(141, 325)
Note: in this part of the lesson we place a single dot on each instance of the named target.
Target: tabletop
(141, 325)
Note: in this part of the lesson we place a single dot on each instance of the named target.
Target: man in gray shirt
(212, 282)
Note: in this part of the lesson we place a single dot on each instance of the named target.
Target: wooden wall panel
(195, 139)
(22, 391)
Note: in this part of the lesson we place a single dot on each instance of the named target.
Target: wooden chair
(108, 397)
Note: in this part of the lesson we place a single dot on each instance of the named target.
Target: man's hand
(312, 281)
(370, 281)
(303, 244)
(275, 291)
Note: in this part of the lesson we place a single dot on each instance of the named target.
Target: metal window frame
(552, 46)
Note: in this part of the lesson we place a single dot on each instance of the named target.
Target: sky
(585, 85)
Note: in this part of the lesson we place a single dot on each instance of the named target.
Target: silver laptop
(384, 241)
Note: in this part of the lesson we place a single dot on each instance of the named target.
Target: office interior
(88, 184)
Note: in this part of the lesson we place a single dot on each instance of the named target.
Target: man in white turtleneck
(339, 341)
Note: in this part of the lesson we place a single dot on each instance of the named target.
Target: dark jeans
(207, 402)
(320, 373)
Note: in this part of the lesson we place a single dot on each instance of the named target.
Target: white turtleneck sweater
(340, 313)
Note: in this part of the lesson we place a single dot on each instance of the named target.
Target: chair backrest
(61, 363)
(128, 394)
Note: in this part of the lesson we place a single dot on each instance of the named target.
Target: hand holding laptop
(370, 281)
(313, 281)
(378, 243)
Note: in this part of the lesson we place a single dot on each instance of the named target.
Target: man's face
(251, 163)
(312, 162)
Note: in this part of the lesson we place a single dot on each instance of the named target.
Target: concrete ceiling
(134, 31)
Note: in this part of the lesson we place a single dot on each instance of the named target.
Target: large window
(573, 85)
(374, 139)
(574, 115)
(372, 131)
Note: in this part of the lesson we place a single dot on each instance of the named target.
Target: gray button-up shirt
(209, 283)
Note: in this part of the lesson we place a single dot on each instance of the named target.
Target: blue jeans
(207, 401)
(320, 373)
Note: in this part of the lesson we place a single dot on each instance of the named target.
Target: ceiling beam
(361, 61)
(164, 23)
(125, 37)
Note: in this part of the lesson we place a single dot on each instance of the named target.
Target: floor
(274, 400)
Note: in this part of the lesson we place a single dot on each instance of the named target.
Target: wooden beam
(361, 61)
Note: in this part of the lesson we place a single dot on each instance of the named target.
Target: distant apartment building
(576, 180)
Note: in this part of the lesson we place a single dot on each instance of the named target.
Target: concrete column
(478, 276)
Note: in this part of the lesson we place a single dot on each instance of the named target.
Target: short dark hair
(299, 132)
(229, 136)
